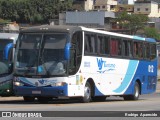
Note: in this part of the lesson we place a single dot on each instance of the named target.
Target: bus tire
(136, 94)
(87, 93)
(28, 99)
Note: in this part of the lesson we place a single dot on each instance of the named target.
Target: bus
(83, 63)
(7, 41)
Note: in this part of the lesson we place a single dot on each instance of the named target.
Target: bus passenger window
(138, 50)
(127, 48)
(116, 47)
(101, 49)
(135, 49)
(90, 44)
(153, 51)
(146, 51)
(106, 45)
(103, 45)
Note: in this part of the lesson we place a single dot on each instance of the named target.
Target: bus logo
(41, 81)
(103, 66)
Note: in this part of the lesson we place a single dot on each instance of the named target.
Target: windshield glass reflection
(41, 54)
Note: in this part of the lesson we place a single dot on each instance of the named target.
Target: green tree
(33, 11)
(132, 22)
(151, 33)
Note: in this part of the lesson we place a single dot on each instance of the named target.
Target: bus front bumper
(56, 91)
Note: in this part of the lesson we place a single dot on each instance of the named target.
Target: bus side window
(76, 52)
(103, 45)
(135, 49)
(101, 49)
(138, 50)
(106, 44)
(90, 44)
(127, 48)
(146, 51)
(152, 51)
(116, 47)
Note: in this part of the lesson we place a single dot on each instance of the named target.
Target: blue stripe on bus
(129, 76)
(25, 81)
(138, 38)
(6, 50)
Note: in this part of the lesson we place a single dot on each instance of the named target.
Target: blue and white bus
(78, 62)
(7, 41)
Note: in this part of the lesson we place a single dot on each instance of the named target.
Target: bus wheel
(87, 93)
(28, 99)
(44, 99)
(135, 96)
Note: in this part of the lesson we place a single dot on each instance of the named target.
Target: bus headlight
(59, 84)
(18, 84)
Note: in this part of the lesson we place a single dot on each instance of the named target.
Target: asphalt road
(115, 106)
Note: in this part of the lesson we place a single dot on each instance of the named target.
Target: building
(102, 13)
(126, 2)
(158, 1)
(92, 19)
(106, 5)
(83, 5)
(149, 8)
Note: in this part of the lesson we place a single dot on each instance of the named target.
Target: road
(147, 102)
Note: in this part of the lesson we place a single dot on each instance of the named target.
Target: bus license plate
(36, 92)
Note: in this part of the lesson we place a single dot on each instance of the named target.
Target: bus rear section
(7, 41)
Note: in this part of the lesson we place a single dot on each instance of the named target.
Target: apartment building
(106, 5)
(149, 8)
(83, 5)
(129, 2)
(102, 12)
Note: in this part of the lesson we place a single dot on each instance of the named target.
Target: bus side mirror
(67, 51)
(7, 49)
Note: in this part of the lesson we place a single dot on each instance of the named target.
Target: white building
(126, 1)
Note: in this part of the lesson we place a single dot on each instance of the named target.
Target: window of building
(138, 9)
(146, 9)
(96, 7)
(103, 6)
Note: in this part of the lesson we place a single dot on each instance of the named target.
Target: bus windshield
(5, 64)
(41, 54)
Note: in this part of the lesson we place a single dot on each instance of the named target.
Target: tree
(33, 11)
(151, 33)
(132, 22)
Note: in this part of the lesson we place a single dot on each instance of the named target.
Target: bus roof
(71, 29)
(51, 28)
